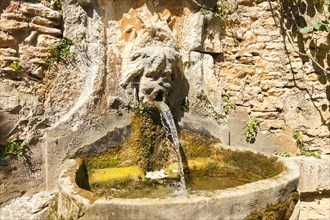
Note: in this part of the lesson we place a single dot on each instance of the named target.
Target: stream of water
(170, 128)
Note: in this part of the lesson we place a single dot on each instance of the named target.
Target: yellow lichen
(116, 174)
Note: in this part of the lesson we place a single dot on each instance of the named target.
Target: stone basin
(231, 203)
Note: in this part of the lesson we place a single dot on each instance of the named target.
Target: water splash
(170, 128)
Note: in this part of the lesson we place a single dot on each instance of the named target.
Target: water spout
(170, 128)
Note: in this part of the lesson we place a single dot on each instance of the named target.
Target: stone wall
(269, 80)
(243, 56)
(27, 30)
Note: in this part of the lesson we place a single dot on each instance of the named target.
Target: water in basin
(154, 163)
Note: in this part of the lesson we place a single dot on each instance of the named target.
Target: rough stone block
(8, 123)
(12, 25)
(45, 40)
(7, 40)
(271, 124)
(7, 52)
(192, 31)
(40, 10)
(46, 30)
(264, 115)
(44, 22)
(13, 16)
(315, 173)
(30, 51)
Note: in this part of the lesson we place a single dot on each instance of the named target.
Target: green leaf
(305, 30)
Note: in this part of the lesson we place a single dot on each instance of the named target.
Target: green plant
(298, 137)
(141, 107)
(283, 154)
(16, 65)
(317, 24)
(228, 104)
(224, 8)
(304, 149)
(60, 51)
(13, 147)
(204, 11)
(251, 131)
(58, 4)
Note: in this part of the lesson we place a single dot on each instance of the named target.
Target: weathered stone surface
(7, 40)
(13, 101)
(40, 10)
(28, 207)
(315, 173)
(44, 21)
(76, 22)
(156, 67)
(46, 30)
(237, 122)
(8, 122)
(45, 40)
(31, 38)
(316, 209)
(12, 25)
(272, 124)
(13, 16)
(6, 61)
(193, 32)
(203, 80)
(7, 52)
(264, 115)
(212, 36)
(30, 51)
(211, 83)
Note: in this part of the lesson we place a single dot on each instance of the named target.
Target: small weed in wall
(283, 154)
(224, 8)
(60, 52)
(221, 10)
(16, 65)
(14, 147)
(58, 4)
(251, 131)
(304, 149)
(228, 104)
(204, 11)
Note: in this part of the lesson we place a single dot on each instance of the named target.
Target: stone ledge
(315, 173)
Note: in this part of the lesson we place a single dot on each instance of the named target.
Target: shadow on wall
(4, 4)
(298, 21)
(298, 15)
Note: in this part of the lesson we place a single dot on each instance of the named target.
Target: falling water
(169, 126)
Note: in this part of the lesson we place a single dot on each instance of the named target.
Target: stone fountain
(91, 183)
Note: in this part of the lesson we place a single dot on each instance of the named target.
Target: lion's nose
(159, 96)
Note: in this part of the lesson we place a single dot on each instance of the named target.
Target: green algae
(120, 172)
(116, 174)
(147, 146)
(280, 211)
(209, 173)
(250, 162)
(195, 145)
